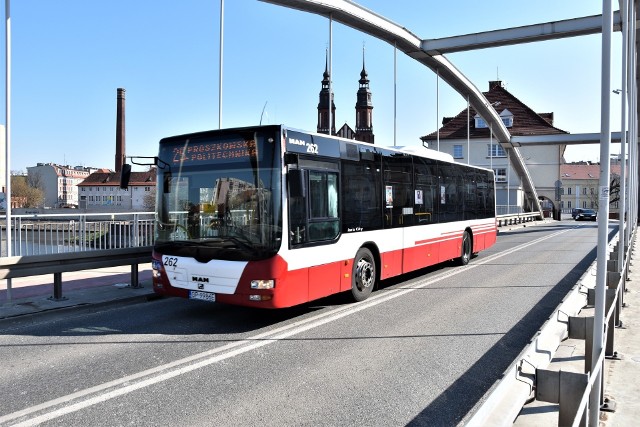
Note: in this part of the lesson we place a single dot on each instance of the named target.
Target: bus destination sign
(213, 152)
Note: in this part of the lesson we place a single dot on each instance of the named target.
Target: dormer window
(507, 118)
(480, 123)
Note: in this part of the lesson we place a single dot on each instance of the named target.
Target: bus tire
(467, 248)
(364, 275)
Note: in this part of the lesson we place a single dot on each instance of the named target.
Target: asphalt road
(423, 350)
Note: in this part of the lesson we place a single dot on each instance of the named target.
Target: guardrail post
(610, 296)
(581, 328)
(134, 277)
(57, 288)
(564, 388)
(613, 278)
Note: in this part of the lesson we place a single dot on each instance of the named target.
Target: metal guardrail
(56, 243)
(517, 218)
(570, 390)
(56, 264)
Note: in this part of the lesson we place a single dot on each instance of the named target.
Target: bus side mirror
(297, 183)
(166, 183)
(125, 176)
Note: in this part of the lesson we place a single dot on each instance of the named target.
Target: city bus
(273, 217)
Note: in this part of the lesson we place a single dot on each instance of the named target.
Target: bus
(273, 217)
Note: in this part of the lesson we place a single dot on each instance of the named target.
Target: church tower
(323, 105)
(364, 108)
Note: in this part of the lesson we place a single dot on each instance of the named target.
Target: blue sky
(70, 56)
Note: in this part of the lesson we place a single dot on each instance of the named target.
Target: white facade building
(101, 191)
(59, 183)
(468, 138)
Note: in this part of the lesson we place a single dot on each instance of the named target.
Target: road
(423, 350)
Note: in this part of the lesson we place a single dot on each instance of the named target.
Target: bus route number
(170, 261)
(312, 148)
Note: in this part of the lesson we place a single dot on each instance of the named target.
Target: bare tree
(35, 180)
(149, 200)
(26, 195)
(614, 191)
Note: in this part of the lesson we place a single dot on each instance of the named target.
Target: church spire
(326, 97)
(364, 107)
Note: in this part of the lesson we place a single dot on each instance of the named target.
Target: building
(580, 184)
(470, 140)
(101, 191)
(364, 110)
(59, 183)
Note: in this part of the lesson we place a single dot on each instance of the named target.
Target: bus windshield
(220, 196)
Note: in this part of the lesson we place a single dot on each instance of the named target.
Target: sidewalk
(34, 294)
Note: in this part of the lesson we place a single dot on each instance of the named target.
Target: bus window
(315, 218)
(323, 203)
(426, 182)
(398, 189)
(298, 207)
(451, 194)
(361, 196)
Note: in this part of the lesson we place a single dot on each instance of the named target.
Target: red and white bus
(273, 217)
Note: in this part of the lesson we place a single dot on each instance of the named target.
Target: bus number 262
(170, 261)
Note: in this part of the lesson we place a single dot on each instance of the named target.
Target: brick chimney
(495, 83)
(120, 142)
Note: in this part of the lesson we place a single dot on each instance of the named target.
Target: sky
(70, 56)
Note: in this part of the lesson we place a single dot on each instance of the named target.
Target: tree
(26, 195)
(614, 191)
(149, 200)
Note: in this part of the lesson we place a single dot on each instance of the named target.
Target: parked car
(586, 215)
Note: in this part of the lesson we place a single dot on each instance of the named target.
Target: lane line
(109, 390)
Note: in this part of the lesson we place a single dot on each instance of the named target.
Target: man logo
(199, 279)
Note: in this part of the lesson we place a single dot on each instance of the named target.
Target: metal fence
(38, 234)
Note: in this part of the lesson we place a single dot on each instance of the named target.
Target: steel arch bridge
(431, 54)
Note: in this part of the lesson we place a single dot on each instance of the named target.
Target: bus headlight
(263, 284)
(156, 267)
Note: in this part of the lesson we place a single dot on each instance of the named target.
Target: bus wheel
(467, 246)
(363, 277)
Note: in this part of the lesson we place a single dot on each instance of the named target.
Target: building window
(457, 152)
(495, 150)
(592, 191)
(562, 191)
(569, 205)
(569, 191)
(507, 118)
(584, 204)
(561, 205)
(479, 122)
(584, 191)
(500, 174)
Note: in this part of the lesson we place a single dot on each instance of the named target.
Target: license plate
(204, 296)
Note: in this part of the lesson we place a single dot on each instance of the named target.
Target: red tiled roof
(584, 171)
(110, 179)
(525, 120)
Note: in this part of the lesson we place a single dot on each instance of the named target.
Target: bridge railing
(529, 373)
(517, 218)
(40, 234)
